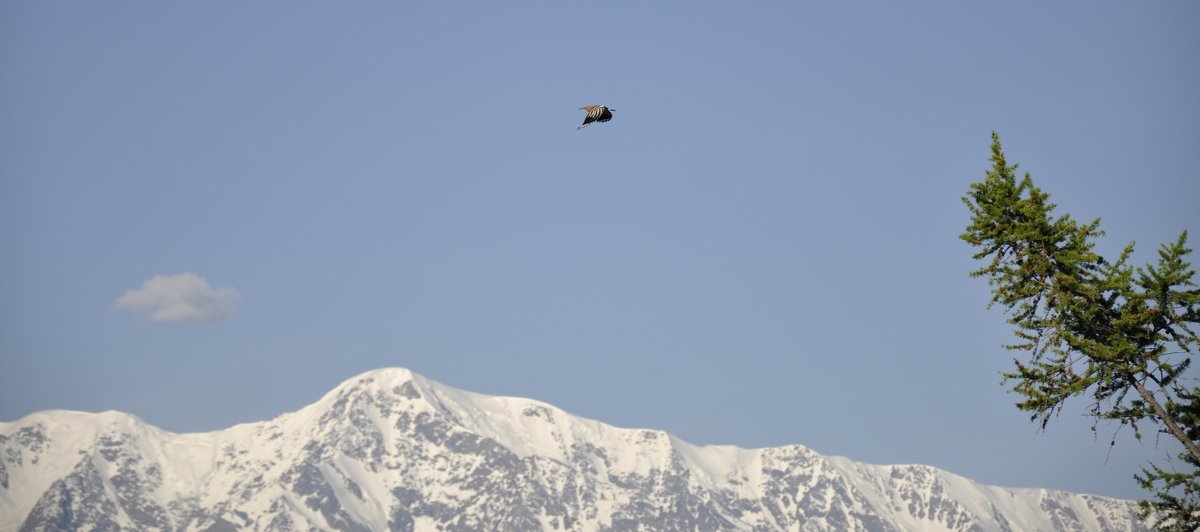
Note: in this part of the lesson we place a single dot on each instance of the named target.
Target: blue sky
(760, 249)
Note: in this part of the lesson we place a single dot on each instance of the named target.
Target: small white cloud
(180, 298)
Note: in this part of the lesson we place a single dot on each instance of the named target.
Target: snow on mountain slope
(390, 450)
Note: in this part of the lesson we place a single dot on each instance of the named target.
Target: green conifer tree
(1119, 335)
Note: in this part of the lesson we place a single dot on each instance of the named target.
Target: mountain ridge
(389, 449)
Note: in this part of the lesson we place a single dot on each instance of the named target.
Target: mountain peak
(386, 379)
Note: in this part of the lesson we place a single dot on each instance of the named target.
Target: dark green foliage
(1090, 327)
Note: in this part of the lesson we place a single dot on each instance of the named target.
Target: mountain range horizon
(389, 449)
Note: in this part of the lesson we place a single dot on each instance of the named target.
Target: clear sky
(761, 248)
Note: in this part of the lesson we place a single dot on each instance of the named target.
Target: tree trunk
(1167, 420)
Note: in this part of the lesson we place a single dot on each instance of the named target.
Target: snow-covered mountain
(391, 450)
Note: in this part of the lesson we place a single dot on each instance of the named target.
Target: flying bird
(596, 113)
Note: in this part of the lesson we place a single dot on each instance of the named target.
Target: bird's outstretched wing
(587, 119)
